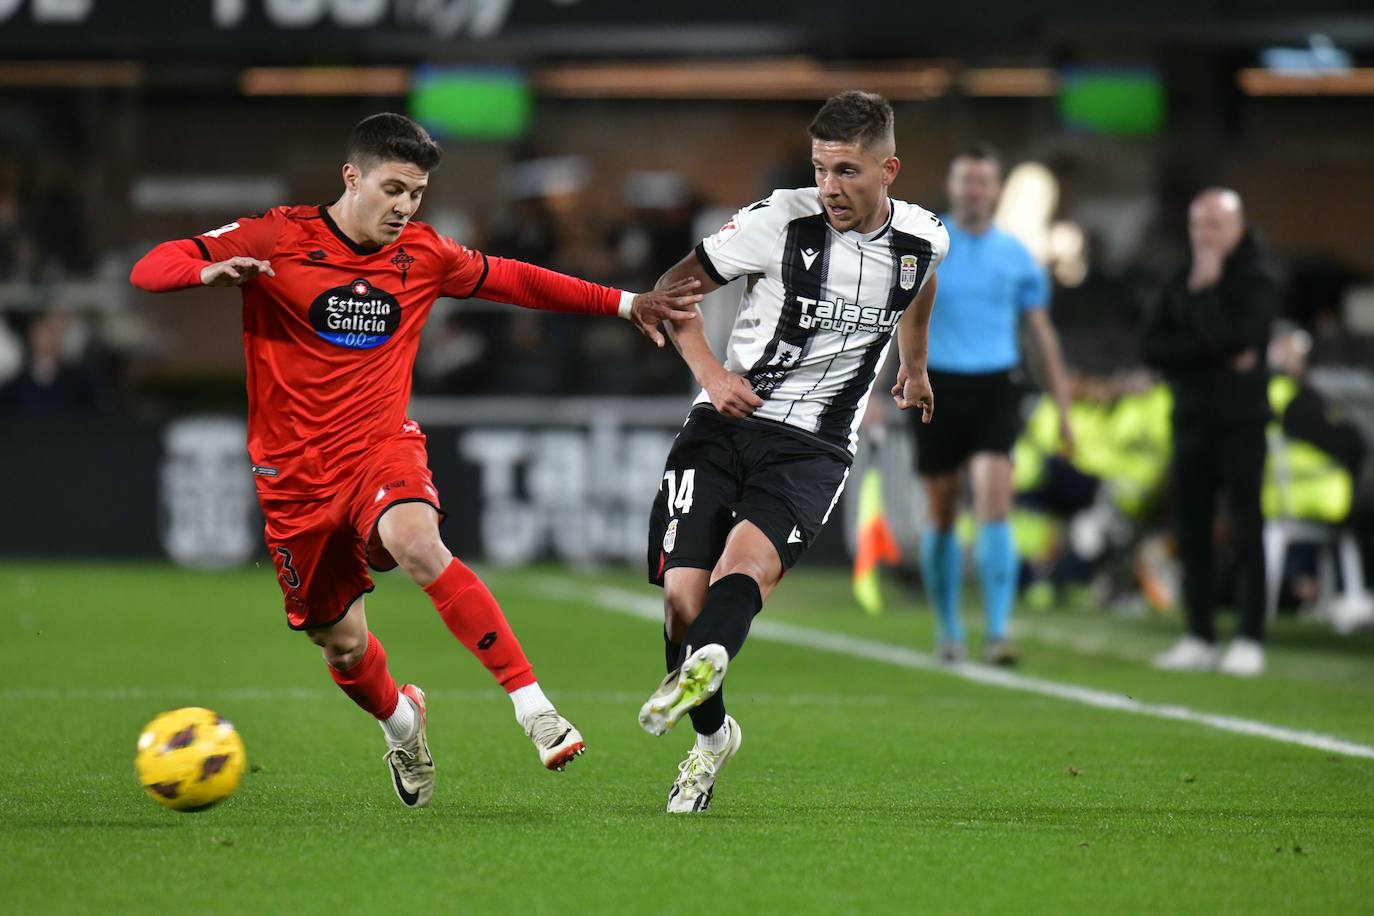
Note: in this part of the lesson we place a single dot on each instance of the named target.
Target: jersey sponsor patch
(358, 316)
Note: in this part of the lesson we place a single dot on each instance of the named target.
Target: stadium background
(604, 139)
(600, 139)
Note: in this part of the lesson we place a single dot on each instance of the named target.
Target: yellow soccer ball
(189, 759)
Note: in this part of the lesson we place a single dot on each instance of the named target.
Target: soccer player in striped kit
(834, 273)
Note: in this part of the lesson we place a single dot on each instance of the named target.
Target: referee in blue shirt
(987, 282)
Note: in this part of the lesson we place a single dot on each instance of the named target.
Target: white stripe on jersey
(820, 307)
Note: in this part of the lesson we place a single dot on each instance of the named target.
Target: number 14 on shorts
(680, 494)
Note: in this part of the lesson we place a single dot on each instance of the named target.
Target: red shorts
(323, 548)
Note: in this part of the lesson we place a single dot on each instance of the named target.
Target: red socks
(473, 616)
(369, 683)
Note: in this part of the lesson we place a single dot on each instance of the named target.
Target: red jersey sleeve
(170, 266)
(248, 236)
(470, 273)
(465, 269)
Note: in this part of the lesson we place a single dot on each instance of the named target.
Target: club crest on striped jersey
(358, 316)
(910, 267)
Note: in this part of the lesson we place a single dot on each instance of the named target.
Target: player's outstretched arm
(528, 286)
(913, 346)
(179, 264)
(730, 393)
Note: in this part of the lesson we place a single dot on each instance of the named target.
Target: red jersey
(330, 341)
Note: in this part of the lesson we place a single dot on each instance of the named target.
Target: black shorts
(720, 472)
(973, 413)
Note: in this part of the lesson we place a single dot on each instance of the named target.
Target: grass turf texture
(860, 787)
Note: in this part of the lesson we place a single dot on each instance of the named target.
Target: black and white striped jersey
(820, 307)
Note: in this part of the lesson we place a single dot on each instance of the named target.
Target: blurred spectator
(1209, 333)
(54, 380)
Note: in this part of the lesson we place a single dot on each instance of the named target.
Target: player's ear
(891, 166)
(352, 176)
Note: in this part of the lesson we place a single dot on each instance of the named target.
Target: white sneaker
(696, 776)
(1243, 658)
(1188, 654)
(686, 688)
(412, 768)
(557, 741)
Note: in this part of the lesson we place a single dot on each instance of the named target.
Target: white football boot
(557, 741)
(412, 768)
(685, 689)
(1188, 654)
(695, 785)
(1243, 658)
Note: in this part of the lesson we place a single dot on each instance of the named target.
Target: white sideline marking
(647, 608)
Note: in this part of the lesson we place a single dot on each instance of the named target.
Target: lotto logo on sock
(486, 642)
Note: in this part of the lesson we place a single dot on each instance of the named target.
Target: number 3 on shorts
(288, 572)
(680, 496)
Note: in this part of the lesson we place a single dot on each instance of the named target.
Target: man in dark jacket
(1208, 334)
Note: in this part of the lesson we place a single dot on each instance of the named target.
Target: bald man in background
(1208, 334)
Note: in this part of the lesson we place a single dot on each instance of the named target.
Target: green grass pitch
(861, 786)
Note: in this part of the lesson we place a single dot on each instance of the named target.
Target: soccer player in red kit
(334, 298)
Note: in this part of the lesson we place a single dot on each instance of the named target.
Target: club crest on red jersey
(358, 316)
(403, 261)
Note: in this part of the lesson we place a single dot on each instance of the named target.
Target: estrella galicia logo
(358, 316)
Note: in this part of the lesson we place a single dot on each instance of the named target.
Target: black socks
(731, 605)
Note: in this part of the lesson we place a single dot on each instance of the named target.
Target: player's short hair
(854, 116)
(390, 137)
(980, 151)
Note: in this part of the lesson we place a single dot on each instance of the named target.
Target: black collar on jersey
(352, 245)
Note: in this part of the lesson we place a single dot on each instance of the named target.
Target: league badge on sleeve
(725, 233)
(910, 267)
(670, 537)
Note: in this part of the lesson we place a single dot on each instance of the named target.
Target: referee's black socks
(729, 610)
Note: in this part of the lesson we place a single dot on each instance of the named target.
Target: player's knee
(342, 651)
(680, 608)
(421, 553)
(764, 574)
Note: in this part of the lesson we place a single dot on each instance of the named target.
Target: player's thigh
(691, 515)
(790, 489)
(750, 552)
(395, 473)
(320, 561)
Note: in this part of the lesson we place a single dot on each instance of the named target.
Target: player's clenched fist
(677, 302)
(732, 395)
(914, 391)
(235, 271)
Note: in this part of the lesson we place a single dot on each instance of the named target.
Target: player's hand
(235, 271)
(671, 303)
(732, 395)
(914, 391)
